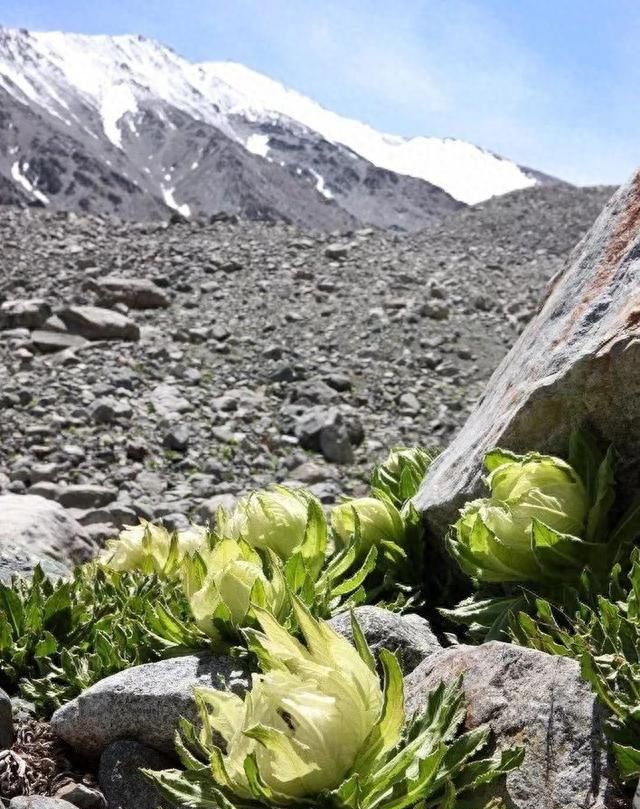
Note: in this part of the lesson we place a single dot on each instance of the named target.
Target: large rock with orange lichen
(578, 361)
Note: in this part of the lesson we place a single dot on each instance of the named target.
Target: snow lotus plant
(225, 582)
(400, 475)
(385, 530)
(375, 521)
(532, 527)
(151, 548)
(291, 528)
(318, 728)
(274, 519)
(371, 523)
(545, 526)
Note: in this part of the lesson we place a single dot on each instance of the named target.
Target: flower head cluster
(532, 522)
(151, 548)
(224, 583)
(305, 718)
(275, 519)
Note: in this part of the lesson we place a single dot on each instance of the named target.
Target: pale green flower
(147, 547)
(275, 519)
(399, 476)
(305, 720)
(378, 522)
(235, 579)
(538, 504)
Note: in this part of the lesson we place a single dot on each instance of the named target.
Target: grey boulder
(143, 703)
(325, 430)
(96, 323)
(577, 361)
(536, 701)
(409, 636)
(39, 527)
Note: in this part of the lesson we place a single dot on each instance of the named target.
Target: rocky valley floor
(272, 354)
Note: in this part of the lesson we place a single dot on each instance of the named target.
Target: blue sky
(553, 84)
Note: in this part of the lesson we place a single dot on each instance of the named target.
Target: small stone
(96, 323)
(310, 472)
(51, 341)
(44, 472)
(26, 314)
(120, 778)
(436, 310)
(46, 489)
(167, 400)
(339, 382)
(409, 403)
(283, 373)
(176, 438)
(220, 332)
(273, 352)
(324, 430)
(106, 411)
(84, 495)
(81, 796)
(337, 251)
(335, 444)
(136, 449)
(136, 293)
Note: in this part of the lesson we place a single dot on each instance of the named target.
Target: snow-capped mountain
(465, 171)
(123, 124)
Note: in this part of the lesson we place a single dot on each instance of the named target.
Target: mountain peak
(162, 125)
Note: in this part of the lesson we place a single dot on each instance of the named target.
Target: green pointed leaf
(386, 733)
(354, 581)
(603, 499)
(627, 761)
(360, 642)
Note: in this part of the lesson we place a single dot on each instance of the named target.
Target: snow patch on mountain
(320, 185)
(258, 144)
(169, 199)
(117, 101)
(465, 171)
(17, 172)
(105, 87)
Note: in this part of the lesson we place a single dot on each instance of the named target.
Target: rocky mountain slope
(226, 356)
(123, 125)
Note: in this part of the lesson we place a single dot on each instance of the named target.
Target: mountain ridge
(125, 125)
